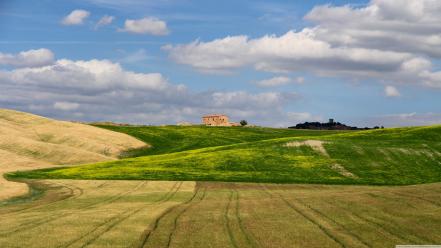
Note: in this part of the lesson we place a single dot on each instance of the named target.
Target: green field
(399, 156)
(249, 209)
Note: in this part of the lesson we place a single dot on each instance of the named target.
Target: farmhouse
(218, 120)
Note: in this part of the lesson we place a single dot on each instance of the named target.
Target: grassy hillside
(169, 139)
(391, 156)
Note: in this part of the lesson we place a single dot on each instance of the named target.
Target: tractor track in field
(397, 224)
(70, 196)
(190, 204)
(383, 228)
(227, 221)
(115, 220)
(304, 215)
(251, 241)
(149, 231)
(419, 198)
(320, 213)
(33, 224)
(307, 217)
(234, 196)
(390, 199)
(40, 202)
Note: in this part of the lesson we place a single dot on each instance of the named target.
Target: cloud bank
(394, 41)
(30, 58)
(97, 90)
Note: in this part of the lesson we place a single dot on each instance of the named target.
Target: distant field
(170, 139)
(75, 213)
(398, 156)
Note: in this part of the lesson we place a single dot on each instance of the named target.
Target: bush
(243, 122)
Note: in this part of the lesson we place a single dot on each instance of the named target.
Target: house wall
(215, 120)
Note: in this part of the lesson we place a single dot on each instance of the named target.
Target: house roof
(214, 115)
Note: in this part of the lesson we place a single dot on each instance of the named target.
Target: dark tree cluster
(331, 125)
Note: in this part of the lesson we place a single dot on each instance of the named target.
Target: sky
(273, 63)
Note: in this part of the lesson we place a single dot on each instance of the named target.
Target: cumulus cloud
(275, 81)
(66, 105)
(279, 81)
(391, 91)
(147, 25)
(292, 51)
(30, 58)
(76, 17)
(409, 26)
(96, 90)
(383, 41)
(105, 20)
(89, 76)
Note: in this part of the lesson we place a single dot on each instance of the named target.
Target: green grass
(169, 139)
(382, 157)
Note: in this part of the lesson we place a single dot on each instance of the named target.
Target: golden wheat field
(29, 141)
(78, 213)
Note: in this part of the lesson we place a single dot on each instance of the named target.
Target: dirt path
(318, 146)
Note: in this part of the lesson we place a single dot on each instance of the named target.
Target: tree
(243, 123)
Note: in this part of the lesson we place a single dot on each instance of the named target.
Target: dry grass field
(28, 142)
(145, 213)
(76, 213)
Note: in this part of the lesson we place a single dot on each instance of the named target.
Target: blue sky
(363, 63)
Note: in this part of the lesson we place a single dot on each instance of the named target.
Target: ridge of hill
(396, 156)
(29, 141)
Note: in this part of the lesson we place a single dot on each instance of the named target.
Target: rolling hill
(29, 141)
(398, 156)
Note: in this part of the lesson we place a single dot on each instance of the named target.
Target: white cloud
(391, 91)
(66, 106)
(76, 17)
(289, 52)
(30, 58)
(93, 90)
(216, 56)
(385, 41)
(253, 101)
(92, 75)
(431, 79)
(147, 25)
(409, 26)
(275, 81)
(405, 119)
(105, 20)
